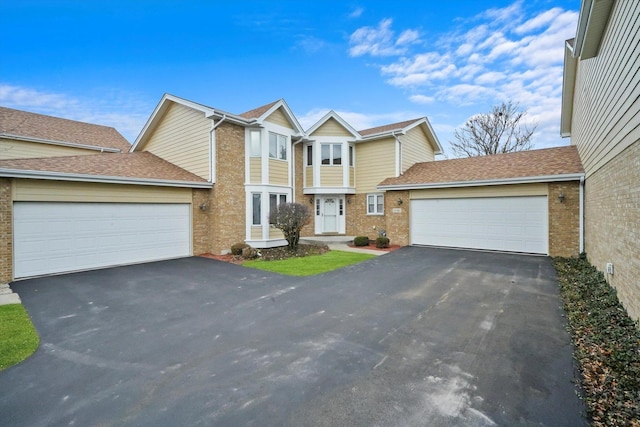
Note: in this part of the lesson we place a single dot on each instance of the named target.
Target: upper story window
(351, 160)
(375, 204)
(277, 146)
(256, 208)
(256, 150)
(309, 155)
(331, 154)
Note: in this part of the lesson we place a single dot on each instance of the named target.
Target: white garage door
(59, 237)
(516, 224)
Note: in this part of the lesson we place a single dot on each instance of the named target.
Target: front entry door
(330, 222)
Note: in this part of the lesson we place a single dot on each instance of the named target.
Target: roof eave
(61, 143)
(333, 115)
(568, 88)
(64, 176)
(484, 182)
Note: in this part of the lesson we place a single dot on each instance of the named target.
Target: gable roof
(18, 124)
(258, 115)
(335, 116)
(549, 164)
(141, 168)
(258, 112)
(399, 126)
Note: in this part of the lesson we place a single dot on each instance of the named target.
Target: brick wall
(397, 217)
(612, 224)
(227, 214)
(564, 219)
(6, 231)
(299, 196)
(202, 220)
(358, 223)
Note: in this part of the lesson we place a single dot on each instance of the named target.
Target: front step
(7, 296)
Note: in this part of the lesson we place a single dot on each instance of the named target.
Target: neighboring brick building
(601, 114)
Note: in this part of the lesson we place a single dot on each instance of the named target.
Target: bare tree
(501, 131)
(290, 218)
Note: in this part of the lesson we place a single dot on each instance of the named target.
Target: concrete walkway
(340, 243)
(7, 296)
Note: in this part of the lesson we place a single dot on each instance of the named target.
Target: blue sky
(374, 62)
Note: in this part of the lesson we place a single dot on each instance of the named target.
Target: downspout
(398, 155)
(212, 147)
(582, 214)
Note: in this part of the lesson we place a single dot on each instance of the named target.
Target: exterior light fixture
(561, 197)
(310, 200)
(399, 201)
(203, 206)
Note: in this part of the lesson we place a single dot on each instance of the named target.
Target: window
(331, 154)
(275, 200)
(309, 155)
(317, 207)
(257, 209)
(341, 207)
(277, 146)
(256, 149)
(375, 204)
(351, 155)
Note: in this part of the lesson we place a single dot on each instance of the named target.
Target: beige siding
(32, 190)
(275, 233)
(308, 176)
(278, 172)
(182, 138)
(415, 148)
(331, 128)
(540, 189)
(331, 176)
(256, 232)
(278, 117)
(352, 176)
(255, 171)
(375, 161)
(14, 149)
(606, 112)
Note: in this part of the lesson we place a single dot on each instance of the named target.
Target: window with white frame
(257, 208)
(275, 200)
(375, 204)
(277, 146)
(256, 149)
(331, 154)
(309, 155)
(351, 159)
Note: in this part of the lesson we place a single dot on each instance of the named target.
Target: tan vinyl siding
(278, 117)
(278, 172)
(415, 148)
(331, 176)
(182, 138)
(256, 232)
(375, 161)
(255, 170)
(352, 176)
(540, 189)
(14, 149)
(331, 128)
(33, 190)
(275, 233)
(606, 113)
(308, 176)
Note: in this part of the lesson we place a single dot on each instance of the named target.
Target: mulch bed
(272, 254)
(373, 246)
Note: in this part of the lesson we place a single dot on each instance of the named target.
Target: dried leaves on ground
(607, 344)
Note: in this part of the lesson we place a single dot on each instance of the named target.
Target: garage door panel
(516, 224)
(59, 237)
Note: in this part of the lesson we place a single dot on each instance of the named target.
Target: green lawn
(310, 265)
(18, 337)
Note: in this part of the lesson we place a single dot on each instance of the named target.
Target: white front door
(330, 212)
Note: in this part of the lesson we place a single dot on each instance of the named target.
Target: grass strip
(18, 337)
(310, 265)
(607, 344)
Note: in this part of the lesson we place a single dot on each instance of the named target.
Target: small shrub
(249, 252)
(236, 248)
(361, 241)
(382, 242)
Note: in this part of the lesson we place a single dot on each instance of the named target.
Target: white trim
(366, 206)
(333, 115)
(61, 176)
(330, 190)
(502, 181)
(60, 143)
(582, 215)
(263, 244)
(402, 131)
(281, 103)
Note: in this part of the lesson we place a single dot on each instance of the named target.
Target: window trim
(281, 198)
(309, 154)
(281, 146)
(251, 147)
(331, 154)
(255, 206)
(378, 200)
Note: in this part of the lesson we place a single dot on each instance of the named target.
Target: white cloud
(422, 99)
(381, 40)
(309, 44)
(356, 13)
(120, 110)
(501, 54)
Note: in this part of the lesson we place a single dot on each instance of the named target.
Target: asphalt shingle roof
(40, 126)
(387, 128)
(126, 165)
(257, 112)
(533, 163)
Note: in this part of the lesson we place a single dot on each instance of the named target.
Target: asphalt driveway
(421, 336)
